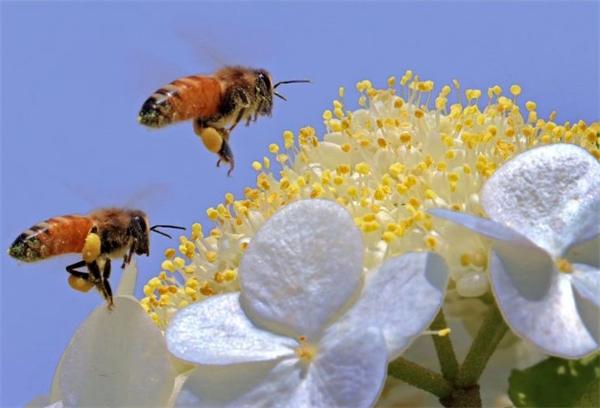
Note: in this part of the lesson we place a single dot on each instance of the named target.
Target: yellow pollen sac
(212, 139)
(154, 283)
(273, 148)
(168, 266)
(256, 166)
(515, 90)
(196, 231)
(530, 105)
(91, 248)
(479, 259)
(230, 275)
(431, 242)
(405, 137)
(148, 291)
(80, 284)
(212, 214)
(211, 256)
(179, 263)
(362, 168)
(564, 265)
(170, 253)
(444, 332)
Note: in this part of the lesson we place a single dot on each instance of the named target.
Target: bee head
(139, 230)
(264, 90)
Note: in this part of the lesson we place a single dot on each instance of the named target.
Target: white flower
(544, 209)
(292, 336)
(116, 358)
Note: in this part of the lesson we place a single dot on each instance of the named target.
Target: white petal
(128, 280)
(350, 369)
(117, 358)
(222, 386)
(301, 267)
(585, 252)
(401, 298)
(529, 266)
(549, 318)
(586, 281)
(483, 226)
(550, 194)
(217, 331)
(283, 386)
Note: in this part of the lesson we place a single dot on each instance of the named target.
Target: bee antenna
(280, 96)
(154, 228)
(293, 81)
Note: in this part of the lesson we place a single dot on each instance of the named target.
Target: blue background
(74, 76)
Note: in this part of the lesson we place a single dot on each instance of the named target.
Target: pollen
(564, 265)
(305, 351)
(168, 266)
(515, 90)
(170, 253)
(91, 248)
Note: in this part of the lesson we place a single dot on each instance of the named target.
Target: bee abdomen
(185, 98)
(26, 248)
(157, 111)
(56, 236)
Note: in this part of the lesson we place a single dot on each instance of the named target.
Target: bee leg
(128, 256)
(106, 283)
(78, 274)
(101, 283)
(237, 120)
(226, 156)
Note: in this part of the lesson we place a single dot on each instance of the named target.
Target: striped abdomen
(56, 236)
(185, 98)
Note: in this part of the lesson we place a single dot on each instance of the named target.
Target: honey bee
(100, 236)
(216, 104)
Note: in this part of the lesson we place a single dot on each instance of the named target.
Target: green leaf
(556, 382)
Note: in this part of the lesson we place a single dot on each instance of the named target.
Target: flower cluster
(387, 163)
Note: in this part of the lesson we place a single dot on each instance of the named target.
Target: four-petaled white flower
(544, 210)
(303, 331)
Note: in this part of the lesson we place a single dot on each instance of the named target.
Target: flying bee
(100, 236)
(216, 104)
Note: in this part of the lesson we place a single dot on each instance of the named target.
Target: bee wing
(203, 49)
(148, 196)
(123, 196)
(144, 80)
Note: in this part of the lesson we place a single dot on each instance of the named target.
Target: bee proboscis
(99, 236)
(216, 103)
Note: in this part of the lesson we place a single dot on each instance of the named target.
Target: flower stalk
(420, 377)
(489, 335)
(444, 349)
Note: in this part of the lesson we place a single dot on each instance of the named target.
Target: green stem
(489, 335)
(420, 377)
(444, 349)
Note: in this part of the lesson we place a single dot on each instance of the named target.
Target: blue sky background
(74, 76)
